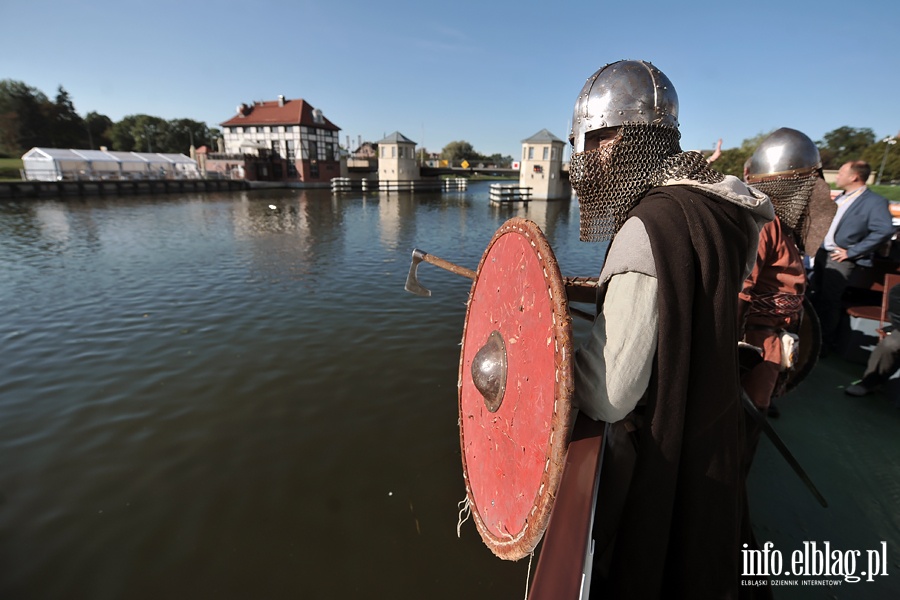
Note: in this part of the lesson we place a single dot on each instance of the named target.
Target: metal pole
(888, 142)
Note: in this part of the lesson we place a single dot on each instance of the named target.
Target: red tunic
(774, 291)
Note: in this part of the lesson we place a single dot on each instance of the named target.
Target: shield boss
(515, 388)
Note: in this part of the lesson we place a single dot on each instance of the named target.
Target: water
(202, 396)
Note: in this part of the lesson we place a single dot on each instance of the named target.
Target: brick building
(277, 140)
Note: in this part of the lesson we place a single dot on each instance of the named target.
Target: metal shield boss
(515, 388)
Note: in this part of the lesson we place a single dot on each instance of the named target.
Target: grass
(891, 192)
(9, 169)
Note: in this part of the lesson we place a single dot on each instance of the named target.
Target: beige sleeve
(613, 367)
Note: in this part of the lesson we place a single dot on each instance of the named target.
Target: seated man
(885, 358)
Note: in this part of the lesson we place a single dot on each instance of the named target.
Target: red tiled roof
(294, 112)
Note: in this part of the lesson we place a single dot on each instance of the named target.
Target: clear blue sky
(491, 72)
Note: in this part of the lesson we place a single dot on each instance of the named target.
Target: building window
(383, 149)
(552, 153)
(546, 152)
(530, 152)
(291, 157)
(393, 151)
(276, 148)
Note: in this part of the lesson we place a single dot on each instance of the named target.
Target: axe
(578, 289)
(412, 281)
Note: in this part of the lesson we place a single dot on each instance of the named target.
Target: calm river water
(232, 396)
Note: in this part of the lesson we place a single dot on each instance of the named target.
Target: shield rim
(522, 545)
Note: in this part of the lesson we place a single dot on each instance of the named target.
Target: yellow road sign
(464, 164)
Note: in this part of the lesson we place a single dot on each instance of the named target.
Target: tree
(731, 162)
(499, 160)
(181, 134)
(98, 130)
(140, 133)
(884, 152)
(844, 144)
(458, 151)
(66, 127)
(23, 123)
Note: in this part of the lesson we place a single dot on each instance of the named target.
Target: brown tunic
(774, 292)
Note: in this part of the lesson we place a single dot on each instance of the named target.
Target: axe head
(412, 281)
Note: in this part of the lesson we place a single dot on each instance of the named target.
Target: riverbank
(114, 187)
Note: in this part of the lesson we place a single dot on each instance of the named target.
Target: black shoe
(857, 390)
(773, 412)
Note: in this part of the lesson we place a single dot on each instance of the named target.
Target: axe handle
(447, 265)
(578, 289)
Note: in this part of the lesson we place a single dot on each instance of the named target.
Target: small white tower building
(541, 170)
(397, 159)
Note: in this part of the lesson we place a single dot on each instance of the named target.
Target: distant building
(397, 158)
(278, 140)
(366, 150)
(541, 167)
(65, 164)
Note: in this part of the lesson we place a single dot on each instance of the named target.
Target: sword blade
(761, 420)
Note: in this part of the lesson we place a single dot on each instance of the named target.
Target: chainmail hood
(611, 180)
(790, 196)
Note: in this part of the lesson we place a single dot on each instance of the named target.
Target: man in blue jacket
(862, 224)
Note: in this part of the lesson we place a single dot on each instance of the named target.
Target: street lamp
(888, 142)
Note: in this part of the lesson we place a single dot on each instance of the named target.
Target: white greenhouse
(58, 164)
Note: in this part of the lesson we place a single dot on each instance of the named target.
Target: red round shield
(515, 388)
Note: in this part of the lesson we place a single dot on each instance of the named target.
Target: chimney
(280, 100)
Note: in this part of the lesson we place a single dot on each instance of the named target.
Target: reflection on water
(205, 396)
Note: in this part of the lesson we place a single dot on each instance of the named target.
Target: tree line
(460, 150)
(835, 148)
(29, 118)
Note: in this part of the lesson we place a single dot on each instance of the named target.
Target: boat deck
(850, 447)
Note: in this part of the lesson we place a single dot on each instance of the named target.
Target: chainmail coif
(790, 198)
(610, 180)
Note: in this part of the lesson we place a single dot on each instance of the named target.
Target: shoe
(858, 390)
(773, 412)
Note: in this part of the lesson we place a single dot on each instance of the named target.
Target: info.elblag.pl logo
(814, 560)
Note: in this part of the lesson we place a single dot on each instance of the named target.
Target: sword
(761, 420)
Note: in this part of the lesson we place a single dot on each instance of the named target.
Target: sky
(490, 72)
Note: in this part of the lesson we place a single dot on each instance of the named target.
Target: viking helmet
(785, 166)
(784, 153)
(640, 102)
(632, 91)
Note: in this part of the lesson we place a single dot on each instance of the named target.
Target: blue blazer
(865, 226)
